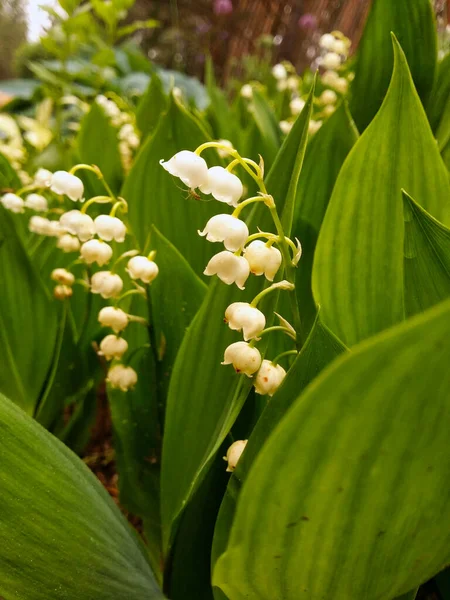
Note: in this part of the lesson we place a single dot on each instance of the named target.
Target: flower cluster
(261, 254)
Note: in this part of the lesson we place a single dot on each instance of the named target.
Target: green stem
(277, 328)
(287, 353)
(272, 288)
(252, 200)
(132, 292)
(95, 200)
(235, 154)
(96, 170)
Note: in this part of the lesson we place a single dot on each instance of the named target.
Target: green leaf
(427, 259)
(267, 126)
(414, 25)
(218, 111)
(363, 444)
(324, 157)
(28, 322)
(62, 537)
(136, 25)
(320, 349)
(151, 107)
(358, 264)
(440, 93)
(8, 177)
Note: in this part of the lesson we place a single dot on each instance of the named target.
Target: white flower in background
(234, 454)
(328, 97)
(223, 185)
(115, 318)
(327, 41)
(263, 260)
(177, 93)
(227, 229)
(229, 268)
(220, 151)
(61, 292)
(96, 251)
(282, 85)
(331, 60)
(68, 243)
(247, 91)
(107, 284)
(112, 347)
(244, 358)
(25, 179)
(68, 184)
(269, 378)
(341, 85)
(279, 71)
(109, 106)
(293, 83)
(63, 276)
(141, 267)
(13, 202)
(38, 225)
(79, 224)
(110, 228)
(285, 126)
(330, 78)
(314, 126)
(340, 47)
(125, 131)
(296, 105)
(329, 110)
(122, 377)
(243, 316)
(36, 202)
(43, 178)
(190, 168)
(53, 229)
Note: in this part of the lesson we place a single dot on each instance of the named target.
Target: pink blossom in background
(222, 7)
(308, 21)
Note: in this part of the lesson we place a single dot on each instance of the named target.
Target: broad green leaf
(204, 397)
(62, 537)
(443, 131)
(97, 144)
(8, 176)
(442, 581)
(28, 322)
(219, 114)
(320, 349)
(427, 259)
(363, 444)
(440, 93)
(324, 157)
(414, 25)
(156, 198)
(358, 264)
(151, 107)
(267, 126)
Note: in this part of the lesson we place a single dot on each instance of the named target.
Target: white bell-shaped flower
(79, 224)
(112, 317)
(296, 105)
(189, 167)
(68, 184)
(122, 377)
(269, 378)
(107, 284)
(222, 152)
(112, 346)
(54, 229)
(61, 292)
(110, 228)
(340, 47)
(227, 229)
(328, 97)
(279, 71)
(36, 202)
(63, 276)
(38, 225)
(327, 41)
(244, 358)
(241, 316)
(246, 91)
(223, 185)
(285, 126)
(13, 202)
(141, 267)
(331, 60)
(234, 454)
(263, 260)
(96, 251)
(229, 268)
(43, 178)
(68, 243)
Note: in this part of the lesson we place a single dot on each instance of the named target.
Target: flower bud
(190, 168)
(243, 357)
(115, 318)
(61, 292)
(79, 224)
(243, 316)
(328, 97)
(63, 276)
(36, 202)
(229, 268)
(269, 378)
(247, 91)
(263, 259)
(234, 454)
(222, 152)
(285, 126)
(327, 41)
(110, 228)
(140, 267)
(107, 284)
(43, 178)
(96, 251)
(223, 185)
(112, 347)
(68, 243)
(13, 202)
(122, 377)
(296, 105)
(279, 71)
(68, 184)
(331, 60)
(227, 229)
